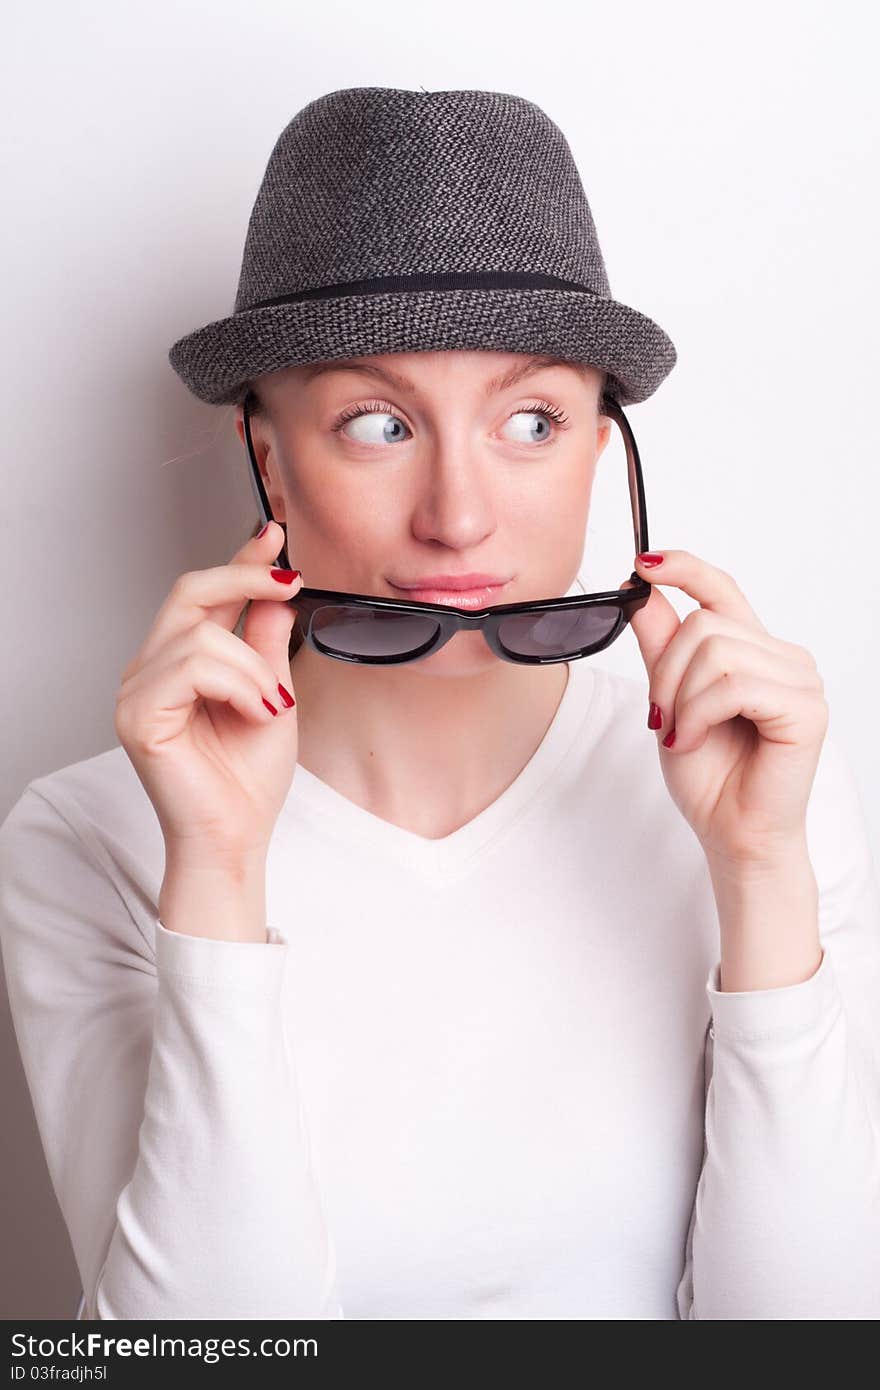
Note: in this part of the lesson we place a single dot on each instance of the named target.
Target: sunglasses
(384, 631)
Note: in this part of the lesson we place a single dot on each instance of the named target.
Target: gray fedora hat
(391, 220)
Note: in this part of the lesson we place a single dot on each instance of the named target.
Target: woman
(431, 989)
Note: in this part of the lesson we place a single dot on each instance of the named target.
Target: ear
(603, 434)
(273, 492)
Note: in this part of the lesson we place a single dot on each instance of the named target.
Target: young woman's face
(405, 466)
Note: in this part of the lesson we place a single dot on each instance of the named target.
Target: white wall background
(730, 159)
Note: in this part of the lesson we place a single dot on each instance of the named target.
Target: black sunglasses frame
(450, 619)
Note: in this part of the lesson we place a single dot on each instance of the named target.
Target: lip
(457, 591)
(454, 582)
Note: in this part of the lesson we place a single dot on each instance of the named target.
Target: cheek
(548, 534)
(344, 528)
(341, 504)
(555, 516)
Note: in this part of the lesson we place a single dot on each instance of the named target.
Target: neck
(425, 751)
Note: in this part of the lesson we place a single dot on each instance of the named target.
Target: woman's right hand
(190, 713)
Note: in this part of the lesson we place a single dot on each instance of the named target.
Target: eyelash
(553, 412)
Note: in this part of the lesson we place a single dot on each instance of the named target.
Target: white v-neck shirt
(464, 1078)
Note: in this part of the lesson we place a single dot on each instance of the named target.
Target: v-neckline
(312, 797)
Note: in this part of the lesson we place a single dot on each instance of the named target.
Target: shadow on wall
(38, 1273)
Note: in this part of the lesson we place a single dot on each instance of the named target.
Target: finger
(211, 640)
(654, 626)
(708, 646)
(713, 588)
(259, 546)
(782, 713)
(157, 711)
(266, 630)
(218, 593)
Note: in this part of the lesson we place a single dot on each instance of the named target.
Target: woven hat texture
(390, 220)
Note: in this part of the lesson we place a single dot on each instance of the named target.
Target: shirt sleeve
(164, 1091)
(786, 1219)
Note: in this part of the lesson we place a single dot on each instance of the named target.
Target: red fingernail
(263, 532)
(649, 558)
(286, 696)
(284, 576)
(669, 739)
(655, 717)
(270, 708)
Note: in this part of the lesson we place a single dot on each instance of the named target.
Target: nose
(453, 504)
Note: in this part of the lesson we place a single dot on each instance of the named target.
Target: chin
(465, 654)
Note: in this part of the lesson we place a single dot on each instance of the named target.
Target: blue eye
(393, 435)
(528, 439)
(372, 436)
(552, 412)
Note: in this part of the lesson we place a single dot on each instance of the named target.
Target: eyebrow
(503, 382)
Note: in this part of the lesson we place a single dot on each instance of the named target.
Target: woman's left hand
(748, 711)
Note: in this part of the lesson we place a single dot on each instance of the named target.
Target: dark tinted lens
(349, 630)
(558, 631)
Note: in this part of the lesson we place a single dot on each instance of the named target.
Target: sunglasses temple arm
(264, 510)
(636, 482)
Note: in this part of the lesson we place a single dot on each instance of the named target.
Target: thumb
(267, 627)
(654, 625)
